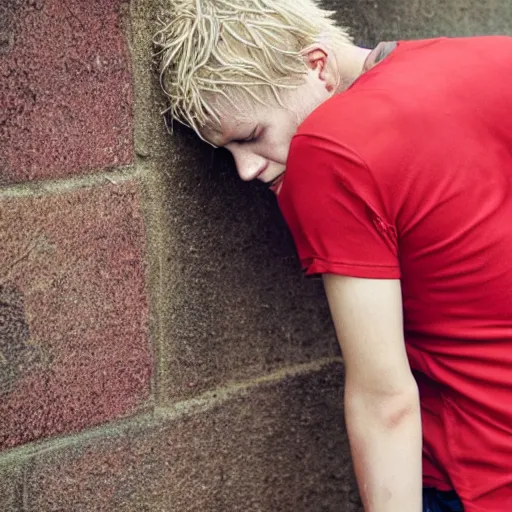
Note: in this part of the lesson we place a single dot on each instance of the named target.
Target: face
(260, 139)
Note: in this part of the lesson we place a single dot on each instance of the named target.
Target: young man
(393, 169)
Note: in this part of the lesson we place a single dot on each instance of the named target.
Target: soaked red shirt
(408, 175)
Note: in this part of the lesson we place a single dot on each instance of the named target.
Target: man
(393, 170)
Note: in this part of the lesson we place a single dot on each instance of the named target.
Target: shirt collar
(379, 53)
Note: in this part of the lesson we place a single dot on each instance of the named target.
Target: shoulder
(394, 106)
(411, 81)
(351, 135)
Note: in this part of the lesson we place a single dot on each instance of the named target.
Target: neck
(350, 60)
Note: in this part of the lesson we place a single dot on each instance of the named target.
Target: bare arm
(381, 397)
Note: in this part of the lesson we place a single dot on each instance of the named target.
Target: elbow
(388, 410)
(400, 409)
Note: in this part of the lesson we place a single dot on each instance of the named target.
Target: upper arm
(338, 214)
(367, 315)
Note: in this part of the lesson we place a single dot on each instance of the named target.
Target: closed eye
(252, 137)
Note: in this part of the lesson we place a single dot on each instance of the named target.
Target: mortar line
(138, 42)
(158, 345)
(155, 243)
(35, 448)
(162, 414)
(70, 183)
(217, 396)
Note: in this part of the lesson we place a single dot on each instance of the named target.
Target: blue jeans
(437, 501)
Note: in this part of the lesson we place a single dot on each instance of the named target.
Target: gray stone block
(10, 489)
(372, 21)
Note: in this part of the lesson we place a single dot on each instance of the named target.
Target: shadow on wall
(240, 302)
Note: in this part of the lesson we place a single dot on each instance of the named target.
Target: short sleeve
(336, 212)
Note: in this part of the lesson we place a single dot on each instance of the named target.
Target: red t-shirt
(408, 174)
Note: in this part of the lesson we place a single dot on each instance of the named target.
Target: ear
(318, 59)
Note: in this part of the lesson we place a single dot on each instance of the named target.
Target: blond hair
(252, 47)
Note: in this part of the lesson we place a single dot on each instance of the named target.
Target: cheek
(279, 132)
(278, 142)
(287, 133)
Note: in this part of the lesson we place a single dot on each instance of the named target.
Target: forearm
(385, 439)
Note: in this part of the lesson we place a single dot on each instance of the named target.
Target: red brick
(73, 311)
(283, 447)
(65, 88)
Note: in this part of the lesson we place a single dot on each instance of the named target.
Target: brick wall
(159, 349)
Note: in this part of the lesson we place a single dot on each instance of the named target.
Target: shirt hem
(316, 266)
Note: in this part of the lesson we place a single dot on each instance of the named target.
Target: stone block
(281, 447)
(11, 485)
(65, 88)
(238, 305)
(74, 348)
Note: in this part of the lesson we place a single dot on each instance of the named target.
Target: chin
(277, 183)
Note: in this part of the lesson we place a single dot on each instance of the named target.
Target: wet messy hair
(235, 49)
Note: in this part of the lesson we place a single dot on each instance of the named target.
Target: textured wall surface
(160, 349)
(389, 20)
(277, 448)
(74, 340)
(11, 490)
(65, 90)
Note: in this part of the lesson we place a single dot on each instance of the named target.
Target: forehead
(229, 127)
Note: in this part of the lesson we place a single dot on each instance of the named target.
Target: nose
(248, 164)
